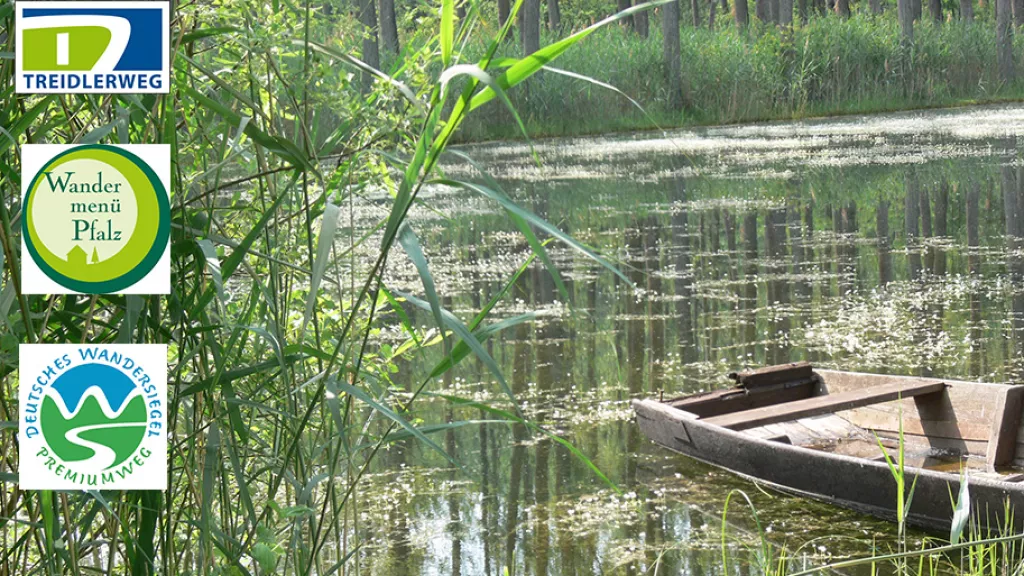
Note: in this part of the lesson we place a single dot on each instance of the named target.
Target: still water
(885, 244)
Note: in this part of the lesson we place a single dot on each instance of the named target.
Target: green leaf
(213, 267)
(961, 512)
(447, 30)
(265, 556)
(411, 244)
(328, 228)
(207, 33)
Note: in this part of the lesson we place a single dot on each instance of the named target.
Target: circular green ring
(129, 278)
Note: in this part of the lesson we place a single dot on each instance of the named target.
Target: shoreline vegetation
(825, 68)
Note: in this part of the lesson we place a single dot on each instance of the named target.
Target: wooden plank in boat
(739, 398)
(950, 424)
(774, 374)
(834, 427)
(1002, 443)
(826, 404)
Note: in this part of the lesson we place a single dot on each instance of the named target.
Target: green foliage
(282, 391)
(828, 66)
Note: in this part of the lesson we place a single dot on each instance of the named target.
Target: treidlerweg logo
(96, 219)
(93, 417)
(92, 47)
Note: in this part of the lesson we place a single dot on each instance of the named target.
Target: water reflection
(905, 255)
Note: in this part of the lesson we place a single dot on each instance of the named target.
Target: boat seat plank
(774, 374)
(825, 404)
(1002, 444)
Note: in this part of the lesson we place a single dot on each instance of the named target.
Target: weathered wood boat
(816, 433)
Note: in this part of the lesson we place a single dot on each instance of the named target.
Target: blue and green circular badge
(96, 218)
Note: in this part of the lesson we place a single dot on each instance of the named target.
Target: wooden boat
(816, 433)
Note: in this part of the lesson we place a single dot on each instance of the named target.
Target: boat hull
(859, 484)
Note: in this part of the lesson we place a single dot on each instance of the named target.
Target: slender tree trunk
(966, 10)
(843, 8)
(388, 27)
(916, 9)
(673, 58)
(725, 6)
(504, 8)
(742, 13)
(773, 11)
(529, 26)
(935, 7)
(624, 5)
(802, 10)
(641, 23)
(1004, 40)
(905, 12)
(695, 11)
(554, 16)
(371, 50)
(876, 6)
(711, 14)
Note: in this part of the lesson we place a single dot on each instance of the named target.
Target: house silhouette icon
(77, 257)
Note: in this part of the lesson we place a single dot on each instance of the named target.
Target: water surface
(887, 244)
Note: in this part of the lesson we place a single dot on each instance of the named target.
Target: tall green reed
(281, 395)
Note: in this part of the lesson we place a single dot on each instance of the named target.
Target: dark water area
(889, 244)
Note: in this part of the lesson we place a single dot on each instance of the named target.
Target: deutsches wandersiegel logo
(93, 417)
(92, 47)
(96, 219)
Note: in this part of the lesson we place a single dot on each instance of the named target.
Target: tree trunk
(554, 16)
(1018, 13)
(1004, 40)
(786, 13)
(742, 13)
(966, 10)
(641, 23)
(725, 6)
(504, 8)
(773, 11)
(905, 12)
(802, 10)
(388, 27)
(935, 7)
(916, 9)
(624, 5)
(876, 6)
(672, 55)
(761, 9)
(371, 50)
(711, 14)
(843, 8)
(695, 11)
(529, 26)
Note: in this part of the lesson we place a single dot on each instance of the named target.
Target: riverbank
(829, 67)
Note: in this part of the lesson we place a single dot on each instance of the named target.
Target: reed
(829, 66)
(281, 392)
